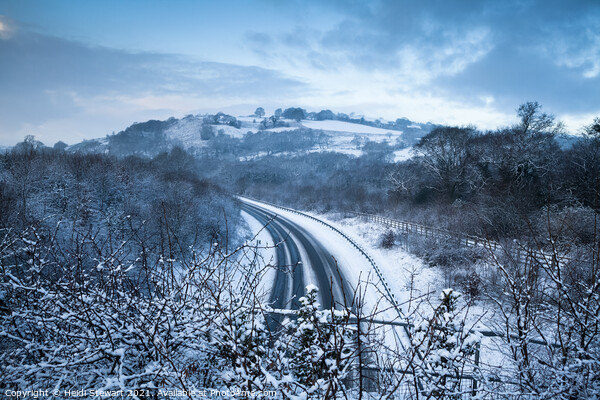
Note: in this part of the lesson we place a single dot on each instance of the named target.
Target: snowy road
(301, 259)
(310, 252)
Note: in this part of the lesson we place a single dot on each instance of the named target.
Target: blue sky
(71, 70)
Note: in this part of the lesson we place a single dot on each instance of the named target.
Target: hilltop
(255, 135)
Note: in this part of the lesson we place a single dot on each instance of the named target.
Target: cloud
(46, 79)
(513, 77)
(259, 39)
(449, 36)
(390, 36)
(584, 54)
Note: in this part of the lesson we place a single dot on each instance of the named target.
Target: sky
(72, 70)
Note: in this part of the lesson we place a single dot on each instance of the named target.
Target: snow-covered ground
(417, 285)
(187, 132)
(348, 127)
(249, 118)
(404, 154)
(399, 267)
(282, 129)
(347, 137)
(263, 246)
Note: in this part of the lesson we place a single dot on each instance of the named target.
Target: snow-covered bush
(116, 326)
(176, 324)
(241, 338)
(388, 239)
(318, 349)
(447, 349)
(549, 300)
(471, 285)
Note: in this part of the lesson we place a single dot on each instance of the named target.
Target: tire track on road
(320, 261)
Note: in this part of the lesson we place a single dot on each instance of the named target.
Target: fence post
(474, 386)
(360, 347)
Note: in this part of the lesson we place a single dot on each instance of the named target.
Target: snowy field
(348, 127)
(347, 138)
(404, 154)
(343, 135)
(187, 132)
(248, 118)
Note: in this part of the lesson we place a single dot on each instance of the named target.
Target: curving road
(292, 244)
(300, 257)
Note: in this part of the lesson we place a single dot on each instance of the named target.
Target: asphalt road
(293, 242)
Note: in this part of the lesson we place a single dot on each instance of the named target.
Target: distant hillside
(146, 139)
(209, 133)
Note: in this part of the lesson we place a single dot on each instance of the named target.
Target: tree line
(504, 178)
(67, 194)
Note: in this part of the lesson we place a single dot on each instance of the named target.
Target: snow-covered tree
(549, 300)
(260, 112)
(447, 347)
(319, 349)
(242, 339)
(112, 323)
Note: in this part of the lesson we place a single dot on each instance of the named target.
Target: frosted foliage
(318, 349)
(447, 347)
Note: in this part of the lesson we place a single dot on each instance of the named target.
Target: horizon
(80, 70)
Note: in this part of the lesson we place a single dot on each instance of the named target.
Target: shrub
(388, 239)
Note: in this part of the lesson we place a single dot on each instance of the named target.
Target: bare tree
(550, 302)
(444, 153)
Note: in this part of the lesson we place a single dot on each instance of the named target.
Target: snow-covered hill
(199, 133)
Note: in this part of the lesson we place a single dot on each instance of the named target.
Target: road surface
(300, 258)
